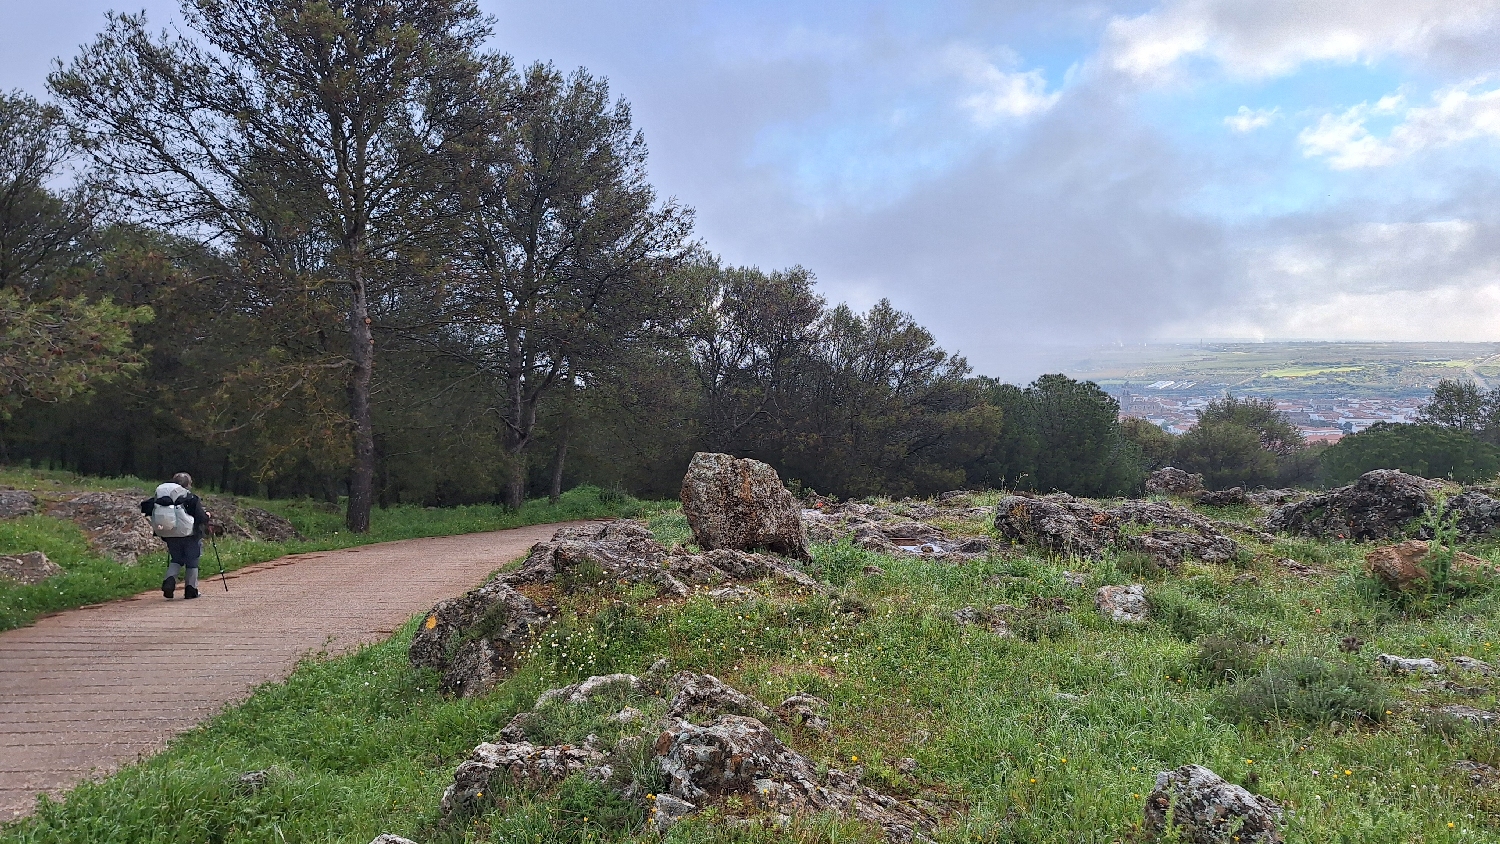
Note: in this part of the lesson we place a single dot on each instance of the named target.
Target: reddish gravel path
(86, 691)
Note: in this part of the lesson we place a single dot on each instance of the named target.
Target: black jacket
(190, 502)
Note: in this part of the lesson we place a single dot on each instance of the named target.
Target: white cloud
(1457, 114)
(1265, 38)
(1248, 120)
(1435, 280)
(997, 94)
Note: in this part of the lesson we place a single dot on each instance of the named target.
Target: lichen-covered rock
(1056, 523)
(583, 691)
(667, 810)
(113, 523)
(1470, 714)
(475, 640)
(1402, 665)
(247, 522)
(703, 697)
(1474, 513)
(595, 555)
(15, 503)
(1476, 666)
(740, 756)
(1379, 505)
(388, 838)
(741, 505)
(1123, 604)
(31, 567)
(1223, 497)
(1205, 809)
(520, 763)
(805, 710)
(724, 564)
(1173, 481)
(1168, 548)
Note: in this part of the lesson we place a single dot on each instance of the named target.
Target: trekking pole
(215, 546)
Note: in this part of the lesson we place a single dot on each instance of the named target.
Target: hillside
(929, 666)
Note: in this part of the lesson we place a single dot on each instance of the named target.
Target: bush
(1222, 659)
(836, 563)
(1307, 689)
(1186, 617)
(1431, 451)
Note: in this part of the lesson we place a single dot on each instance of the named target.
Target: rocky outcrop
(1060, 524)
(1064, 525)
(1123, 604)
(1172, 481)
(518, 763)
(15, 503)
(1223, 497)
(1204, 809)
(1380, 505)
(591, 556)
(475, 640)
(740, 505)
(738, 756)
(113, 523)
(1472, 715)
(29, 568)
(805, 710)
(246, 522)
(1402, 665)
(584, 691)
(388, 838)
(703, 697)
(1474, 513)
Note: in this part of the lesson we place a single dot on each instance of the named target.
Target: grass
(90, 578)
(1053, 737)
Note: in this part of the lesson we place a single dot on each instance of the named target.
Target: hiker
(178, 517)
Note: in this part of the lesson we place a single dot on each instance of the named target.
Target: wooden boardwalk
(88, 690)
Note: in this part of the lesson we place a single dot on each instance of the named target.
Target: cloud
(1246, 120)
(1273, 37)
(1387, 281)
(999, 94)
(1457, 114)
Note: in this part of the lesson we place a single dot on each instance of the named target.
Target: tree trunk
(362, 351)
(557, 464)
(515, 485)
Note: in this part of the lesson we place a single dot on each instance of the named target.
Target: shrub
(586, 808)
(1431, 451)
(1186, 617)
(836, 563)
(1307, 689)
(1222, 659)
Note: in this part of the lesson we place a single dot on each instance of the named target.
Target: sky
(1026, 177)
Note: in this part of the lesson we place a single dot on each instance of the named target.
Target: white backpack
(171, 520)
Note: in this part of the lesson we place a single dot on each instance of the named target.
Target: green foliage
(839, 562)
(1275, 432)
(61, 348)
(1307, 689)
(1428, 450)
(1058, 434)
(588, 810)
(1157, 447)
(1226, 454)
(1224, 659)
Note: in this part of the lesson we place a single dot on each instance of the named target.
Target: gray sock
(192, 577)
(173, 569)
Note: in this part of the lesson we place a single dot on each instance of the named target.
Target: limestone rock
(15, 503)
(248, 522)
(1223, 497)
(667, 810)
(31, 567)
(704, 697)
(1056, 523)
(1402, 665)
(740, 756)
(590, 556)
(1207, 810)
(583, 691)
(113, 523)
(1175, 534)
(806, 710)
(1123, 604)
(1476, 666)
(1172, 481)
(1477, 773)
(1377, 506)
(1475, 514)
(388, 838)
(1477, 717)
(724, 564)
(741, 505)
(520, 763)
(475, 640)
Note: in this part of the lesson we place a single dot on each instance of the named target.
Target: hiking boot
(189, 591)
(167, 587)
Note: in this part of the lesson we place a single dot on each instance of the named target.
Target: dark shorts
(184, 550)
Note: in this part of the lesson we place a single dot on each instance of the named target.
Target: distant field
(1293, 369)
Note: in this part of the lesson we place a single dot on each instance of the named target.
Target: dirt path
(88, 690)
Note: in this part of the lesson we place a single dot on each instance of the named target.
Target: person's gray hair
(183, 479)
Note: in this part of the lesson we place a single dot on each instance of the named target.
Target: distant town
(1171, 406)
